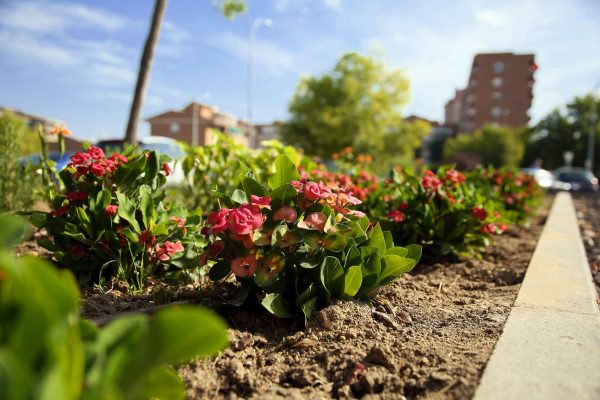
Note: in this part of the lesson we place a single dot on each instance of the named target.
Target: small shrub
(299, 244)
(110, 220)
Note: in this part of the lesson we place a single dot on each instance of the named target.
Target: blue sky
(77, 61)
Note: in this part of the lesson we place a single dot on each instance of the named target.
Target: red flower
(98, 169)
(165, 252)
(488, 229)
(82, 170)
(396, 215)
(111, 210)
(261, 201)
(180, 224)
(503, 227)
(244, 266)
(146, 238)
(167, 169)
(96, 152)
(110, 165)
(60, 211)
(286, 213)
(454, 176)
(80, 158)
(479, 213)
(77, 251)
(119, 158)
(77, 196)
(244, 219)
(218, 220)
(314, 222)
(314, 191)
(430, 182)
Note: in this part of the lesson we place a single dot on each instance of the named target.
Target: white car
(170, 147)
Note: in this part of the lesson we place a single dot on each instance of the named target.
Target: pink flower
(96, 152)
(98, 169)
(356, 213)
(218, 220)
(299, 185)
(77, 251)
(119, 158)
(503, 227)
(285, 213)
(77, 196)
(488, 229)
(313, 191)
(212, 252)
(80, 158)
(110, 165)
(454, 176)
(167, 169)
(314, 222)
(262, 202)
(479, 213)
(111, 210)
(244, 266)
(245, 239)
(171, 248)
(430, 182)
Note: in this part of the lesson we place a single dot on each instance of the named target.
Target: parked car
(576, 179)
(160, 144)
(543, 177)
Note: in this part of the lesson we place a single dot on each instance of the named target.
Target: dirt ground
(429, 336)
(587, 206)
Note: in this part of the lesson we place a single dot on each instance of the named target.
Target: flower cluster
(94, 161)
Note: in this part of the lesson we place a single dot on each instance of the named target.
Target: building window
(472, 83)
(497, 96)
(497, 82)
(471, 111)
(498, 67)
(174, 128)
(496, 112)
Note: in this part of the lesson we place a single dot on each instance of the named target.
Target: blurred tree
(25, 139)
(358, 104)
(491, 145)
(565, 130)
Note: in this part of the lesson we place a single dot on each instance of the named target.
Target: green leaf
(269, 270)
(397, 251)
(352, 282)
(285, 172)
(334, 242)
(238, 196)
(308, 307)
(414, 252)
(161, 383)
(127, 211)
(14, 230)
(389, 241)
(277, 305)
(282, 196)
(393, 266)
(352, 258)
(332, 277)
(219, 271)
(147, 207)
(178, 334)
(84, 221)
(252, 187)
(376, 239)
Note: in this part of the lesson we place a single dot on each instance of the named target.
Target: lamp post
(251, 34)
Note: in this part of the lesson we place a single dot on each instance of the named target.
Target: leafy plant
(443, 212)
(111, 220)
(48, 352)
(298, 244)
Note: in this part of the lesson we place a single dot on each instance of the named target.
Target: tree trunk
(144, 72)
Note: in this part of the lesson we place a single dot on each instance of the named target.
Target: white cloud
(333, 4)
(493, 18)
(267, 55)
(172, 40)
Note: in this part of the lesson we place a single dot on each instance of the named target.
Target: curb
(550, 345)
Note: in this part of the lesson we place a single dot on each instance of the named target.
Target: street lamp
(251, 34)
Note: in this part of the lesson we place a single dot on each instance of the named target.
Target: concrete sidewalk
(550, 346)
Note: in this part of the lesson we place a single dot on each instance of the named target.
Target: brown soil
(429, 335)
(587, 206)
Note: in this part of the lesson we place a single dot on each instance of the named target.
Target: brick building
(499, 91)
(179, 124)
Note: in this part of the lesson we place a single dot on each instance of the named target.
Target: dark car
(576, 179)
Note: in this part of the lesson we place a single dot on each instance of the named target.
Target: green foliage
(231, 8)
(17, 180)
(111, 221)
(565, 130)
(490, 145)
(357, 104)
(48, 352)
(222, 166)
(298, 245)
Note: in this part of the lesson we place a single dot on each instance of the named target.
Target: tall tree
(144, 71)
(566, 129)
(359, 104)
